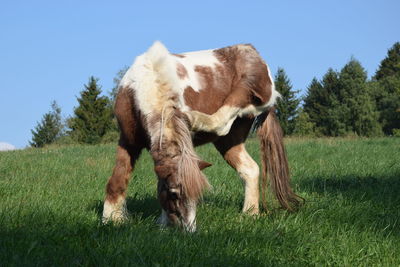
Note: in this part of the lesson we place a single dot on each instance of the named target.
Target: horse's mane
(192, 179)
(174, 154)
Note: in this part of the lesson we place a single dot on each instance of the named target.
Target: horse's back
(232, 79)
(234, 75)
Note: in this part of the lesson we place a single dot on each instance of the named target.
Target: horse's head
(179, 208)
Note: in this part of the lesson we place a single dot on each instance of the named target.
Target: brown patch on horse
(233, 157)
(227, 56)
(241, 79)
(181, 71)
(252, 83)
(132, 141)
(275, 163)
(129, 119)
(118, 182)
(260, 84)
(215, 88)
(178, 55)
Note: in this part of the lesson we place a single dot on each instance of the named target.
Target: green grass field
(51, 203)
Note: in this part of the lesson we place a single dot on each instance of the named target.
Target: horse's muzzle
(180, 211)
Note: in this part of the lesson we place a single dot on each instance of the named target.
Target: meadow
(51, 203)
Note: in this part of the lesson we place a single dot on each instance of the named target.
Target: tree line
(341, 103)
(93, 121)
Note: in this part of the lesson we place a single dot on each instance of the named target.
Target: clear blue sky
(48, 49)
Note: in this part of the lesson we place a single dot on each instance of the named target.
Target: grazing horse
(169, 103)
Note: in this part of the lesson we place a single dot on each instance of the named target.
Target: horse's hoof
(115, 217)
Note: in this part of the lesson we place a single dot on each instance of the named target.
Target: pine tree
(303, 125)
(49, 128)
(332, 122)
(389, 104)
(117, 79)
(92, 117)
(387, 90)
(312, 101)
(358, 110)
(320, 104)
(287, 106)
(390, 66)
(113, 94)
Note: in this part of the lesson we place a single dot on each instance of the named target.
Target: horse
(169, 103)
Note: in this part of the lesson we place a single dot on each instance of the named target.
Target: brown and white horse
(168, 103)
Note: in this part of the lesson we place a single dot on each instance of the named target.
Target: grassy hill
(51, 203)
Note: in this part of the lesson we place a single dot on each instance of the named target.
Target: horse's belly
(201, 138)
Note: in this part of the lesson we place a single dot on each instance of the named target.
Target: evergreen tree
(303, 125)
(387, 90)
(342, 103)
(49, 129)
(390, 66)
(93, 117)
(312, 102)
(113, 94)
(332, 123)
(117, 79)
(321, 104)
(389, 104)
(357, 109)
(287, 106)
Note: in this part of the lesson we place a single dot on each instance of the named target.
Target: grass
(51, 203)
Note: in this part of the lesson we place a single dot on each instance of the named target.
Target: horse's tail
(274, 162)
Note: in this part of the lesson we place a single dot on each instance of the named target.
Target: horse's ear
(203, 164)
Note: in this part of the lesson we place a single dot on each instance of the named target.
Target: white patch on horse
(190, 226)
(220, 122)
(204, 58)
(249, 172)
(115, 212)
(154, 79)
(163, 219)
(157, 67)
(274, 94)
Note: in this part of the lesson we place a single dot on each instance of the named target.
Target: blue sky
(48, 49)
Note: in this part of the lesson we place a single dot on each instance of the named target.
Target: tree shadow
(353, 186)
(360, 200)
(58, 240)
(137, 207)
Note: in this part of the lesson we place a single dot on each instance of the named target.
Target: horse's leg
(248, 170)
(115, 204)
(233, 150)
(130, 145)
